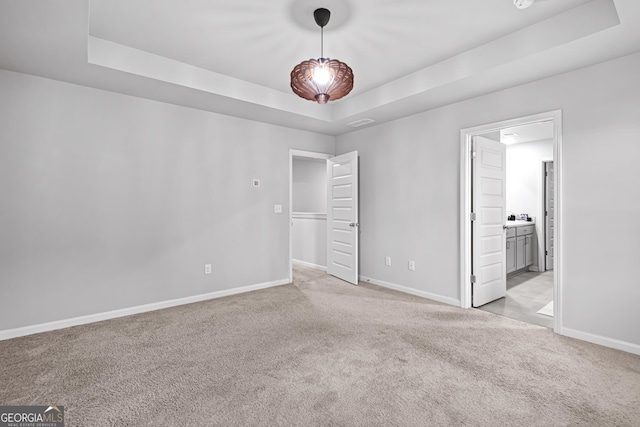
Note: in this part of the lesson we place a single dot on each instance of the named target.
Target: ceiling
(234, 56)
(539, 131)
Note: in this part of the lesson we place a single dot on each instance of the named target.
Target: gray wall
(111, 201)
(309, 186)
(410, 181)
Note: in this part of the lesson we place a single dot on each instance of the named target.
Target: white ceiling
(234, 56)
(539, 131)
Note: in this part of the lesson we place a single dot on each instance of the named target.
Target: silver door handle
(354, 224)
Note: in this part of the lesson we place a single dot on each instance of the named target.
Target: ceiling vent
(360, 122)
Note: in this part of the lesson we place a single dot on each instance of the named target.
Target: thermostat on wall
(255, 183)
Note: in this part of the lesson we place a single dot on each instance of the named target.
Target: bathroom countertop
(518, 223)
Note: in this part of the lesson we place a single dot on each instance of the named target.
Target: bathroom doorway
(530, 287)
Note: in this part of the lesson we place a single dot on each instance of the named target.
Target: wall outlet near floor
(387, 260)
(277, 208)
(412, 265)
(207, 269)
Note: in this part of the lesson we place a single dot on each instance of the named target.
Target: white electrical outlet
(387, 260)
(207, 269)
(412, 265)
(277, 208)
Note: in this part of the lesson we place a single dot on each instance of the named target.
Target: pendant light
(321, 79)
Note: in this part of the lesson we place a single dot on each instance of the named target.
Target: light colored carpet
(320, 352)
(547, 310)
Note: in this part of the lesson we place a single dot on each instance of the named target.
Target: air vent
(361, 122)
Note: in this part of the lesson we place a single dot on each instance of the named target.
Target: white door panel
(342, 217)
(489, 205)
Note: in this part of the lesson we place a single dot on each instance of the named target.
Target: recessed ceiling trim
(123, 58)
(51, 42)
(558, 30)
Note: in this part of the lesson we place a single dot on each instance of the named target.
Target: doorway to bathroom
(509, 218)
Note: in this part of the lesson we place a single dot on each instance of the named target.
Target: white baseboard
(600, 340)
(411, 291)
(308, 264)
(98, 317)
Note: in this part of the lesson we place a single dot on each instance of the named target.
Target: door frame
(306, 154)
(465, 204)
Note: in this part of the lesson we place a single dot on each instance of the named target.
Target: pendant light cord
(321, 42)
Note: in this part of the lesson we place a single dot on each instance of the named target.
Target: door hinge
(546, 213)
(473, 154)
(546, 252)
(473, 216)
(473, 278)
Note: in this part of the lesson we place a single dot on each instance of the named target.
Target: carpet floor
(320, 352)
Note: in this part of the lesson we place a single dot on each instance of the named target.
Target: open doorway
(323, 213)
(307, 209)
(506, 264)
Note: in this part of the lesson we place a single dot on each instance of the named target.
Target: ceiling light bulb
(321, 75)
(523, 4)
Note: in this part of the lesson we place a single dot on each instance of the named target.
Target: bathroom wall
(524, 175)
(525, 188)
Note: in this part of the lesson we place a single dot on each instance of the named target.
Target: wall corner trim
(310, 265)
(600, 340)
(411, 291)
(98, 317)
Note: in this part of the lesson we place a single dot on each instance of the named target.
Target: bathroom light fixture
(523, 4)
(321, 79)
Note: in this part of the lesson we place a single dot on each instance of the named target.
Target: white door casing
(549, 201)
(342, 217)
(488, 231)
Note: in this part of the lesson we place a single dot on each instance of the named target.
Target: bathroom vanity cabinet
(520, 245)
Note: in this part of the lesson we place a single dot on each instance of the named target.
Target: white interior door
(489, 207)
(342, 217)
(549, 214)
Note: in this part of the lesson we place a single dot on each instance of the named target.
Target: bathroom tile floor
(527, 293)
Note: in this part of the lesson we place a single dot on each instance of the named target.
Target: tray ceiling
(234, 56)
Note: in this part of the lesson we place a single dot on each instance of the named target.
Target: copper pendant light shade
(321, 79)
